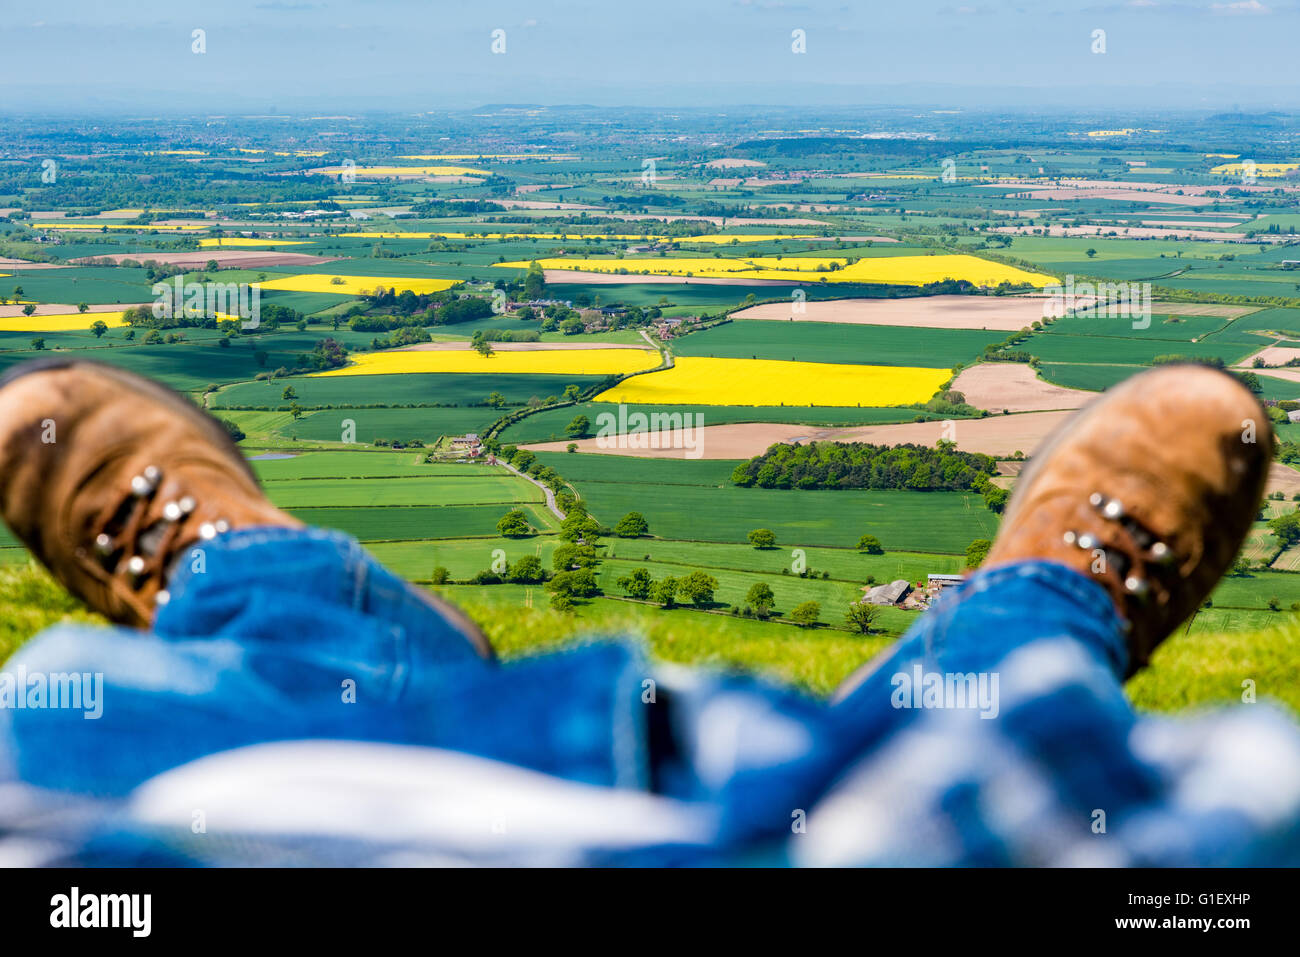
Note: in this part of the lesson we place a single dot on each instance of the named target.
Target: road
(550, 496)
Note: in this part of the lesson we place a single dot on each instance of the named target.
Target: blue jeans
(283, 635)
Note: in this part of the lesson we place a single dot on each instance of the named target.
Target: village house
(469, 443)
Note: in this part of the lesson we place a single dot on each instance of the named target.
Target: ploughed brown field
(1002, 313)
(1000, 435)
(1013, 387)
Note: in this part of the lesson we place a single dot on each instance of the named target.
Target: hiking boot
(1150, 491)
(106, 476)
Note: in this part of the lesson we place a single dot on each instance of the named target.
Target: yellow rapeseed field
(1261, 169)
(514, 362)
(695, 380)
(894, 270)
(355, 285)
(58, 323)
(236, 241)
(373, 171)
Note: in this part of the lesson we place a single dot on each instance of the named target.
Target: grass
(418, 522)
(1190, 670)
(441, 491)
(549, 426)
(913, 521)
(403, 424)
(837, 343)
(396, 390)
(31, 600)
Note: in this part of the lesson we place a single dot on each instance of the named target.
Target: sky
(90, 56)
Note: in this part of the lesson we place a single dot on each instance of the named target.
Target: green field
(549, 426)
(396, 390)
(838, 342)
(815, 173)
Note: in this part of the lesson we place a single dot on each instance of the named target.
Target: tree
(514, 524)
(761, 597)
(637, 584)
(1090, 253)
(806, 613)
(99, 327)
(236, 433)
(82, 307)
(579, 583)
(480, 344)
(496, 400)
(861, 616)
(534, 282)
(1286, 527)
(995, 498)
(870, 545)
(38, 343)
(288, 393)
(762, 538)
(665, 591)
(440, 575)
(578, 427)
(528, 570)
(977, 551)
(560, 601)
(579, 525)
(29, 309)
(295, 410)
(699, 587)
(632, 525)
(569, 556)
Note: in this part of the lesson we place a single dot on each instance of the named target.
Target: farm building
(939, 582)
(890, 594)
(470, 442)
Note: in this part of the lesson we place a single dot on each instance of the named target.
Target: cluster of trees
(1286, 528)
(838, 465)
(995, 497)
(573, 563)
(1006, 351)
(270, 317)
(434, 309)
(697, 588)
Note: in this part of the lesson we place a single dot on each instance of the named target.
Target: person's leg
(298, 633)
(258, 627)
(990, 738)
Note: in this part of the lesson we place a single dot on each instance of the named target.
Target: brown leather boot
(107, 477)
(1150, 490)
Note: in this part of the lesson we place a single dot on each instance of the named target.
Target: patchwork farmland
(723, 404)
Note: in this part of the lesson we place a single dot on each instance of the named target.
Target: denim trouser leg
(275, 634)
(291, 634)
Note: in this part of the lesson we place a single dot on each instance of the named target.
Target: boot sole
(1044, 452)
(168, 397)
(174, 400)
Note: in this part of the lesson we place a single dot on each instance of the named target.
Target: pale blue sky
(322, 55)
